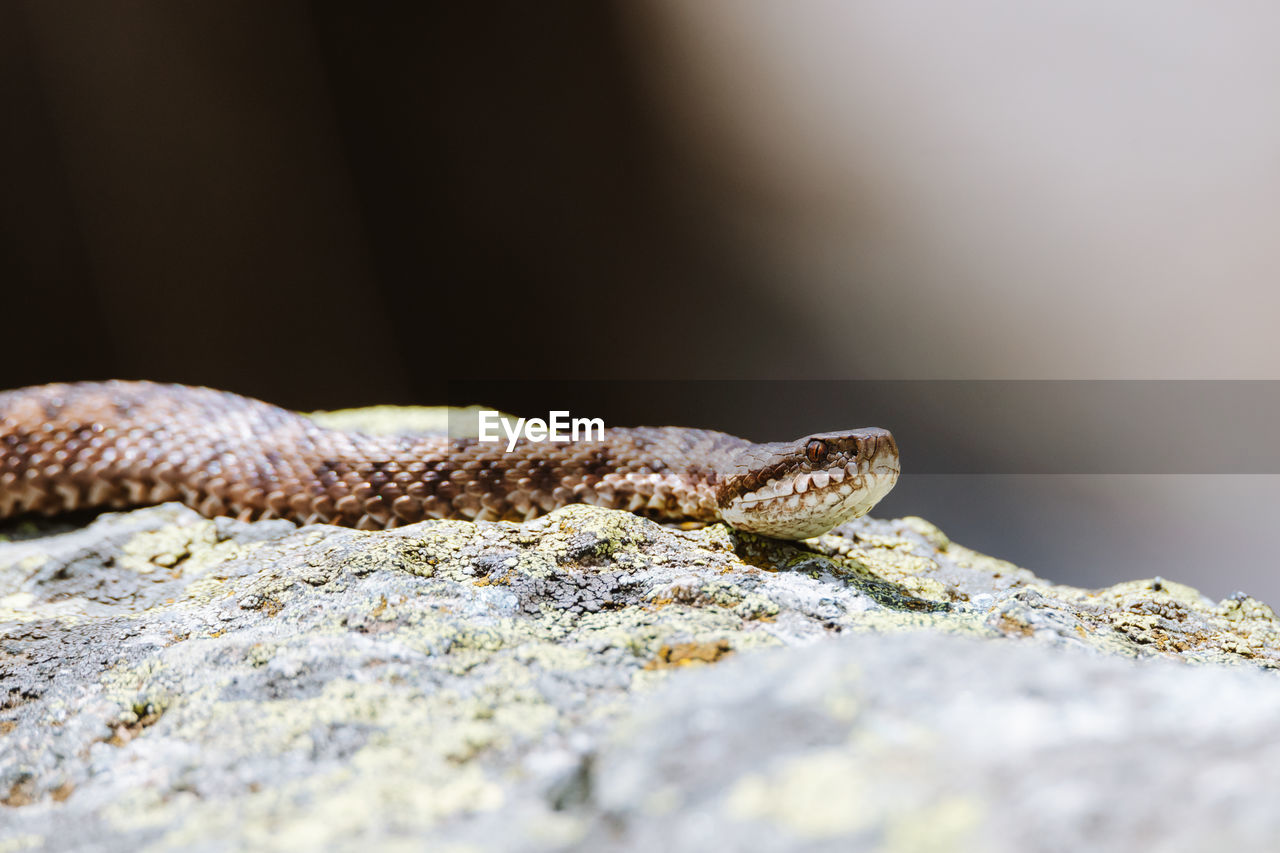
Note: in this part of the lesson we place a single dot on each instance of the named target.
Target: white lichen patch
(817, 796)
(195, 545)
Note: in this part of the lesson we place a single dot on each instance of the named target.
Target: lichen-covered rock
(593, 679)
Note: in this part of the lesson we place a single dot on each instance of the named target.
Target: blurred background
(609, 205)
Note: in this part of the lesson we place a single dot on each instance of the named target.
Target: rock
(595, 680)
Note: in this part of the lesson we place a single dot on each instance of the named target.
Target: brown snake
(121, 444)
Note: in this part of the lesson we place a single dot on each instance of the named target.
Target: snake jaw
(789, 496)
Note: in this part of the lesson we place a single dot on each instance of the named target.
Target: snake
(122, 444)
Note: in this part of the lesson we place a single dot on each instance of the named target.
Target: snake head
(799, 489)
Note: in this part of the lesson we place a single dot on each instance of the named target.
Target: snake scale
(121, 444)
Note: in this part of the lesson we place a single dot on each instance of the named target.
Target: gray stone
(593, 680)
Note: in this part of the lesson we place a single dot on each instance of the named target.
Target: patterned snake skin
(122, 444)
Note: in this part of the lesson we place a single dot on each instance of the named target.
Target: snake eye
(816, 451)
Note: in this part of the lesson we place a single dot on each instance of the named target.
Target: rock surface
(594, 680)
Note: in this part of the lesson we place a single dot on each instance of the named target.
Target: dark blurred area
(333, 204)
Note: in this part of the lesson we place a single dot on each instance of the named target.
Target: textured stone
(593, 679)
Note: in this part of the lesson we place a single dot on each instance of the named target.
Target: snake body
(121, 444)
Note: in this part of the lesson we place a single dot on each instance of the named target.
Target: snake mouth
(818, 481)
(812, 502)
(843, 481)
